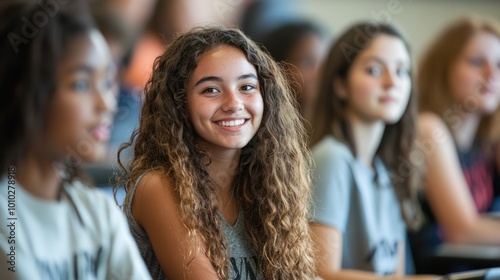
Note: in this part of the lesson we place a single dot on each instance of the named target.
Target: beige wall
(421, 19)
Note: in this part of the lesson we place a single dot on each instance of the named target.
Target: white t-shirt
(82, 236)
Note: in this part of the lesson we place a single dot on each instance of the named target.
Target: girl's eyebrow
(208, 78)
(379, 60)
(88, 68)
(248, 76)
(219, 79)
(80, 68)
(376, 59)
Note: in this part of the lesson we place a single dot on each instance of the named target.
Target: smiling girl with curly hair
(219, 183)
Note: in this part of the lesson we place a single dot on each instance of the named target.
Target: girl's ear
(340, 89)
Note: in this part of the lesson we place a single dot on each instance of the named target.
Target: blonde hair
(433, 79)
(273, 178)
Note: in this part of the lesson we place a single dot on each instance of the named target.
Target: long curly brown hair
(273, 178)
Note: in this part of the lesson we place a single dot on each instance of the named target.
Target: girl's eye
(475, 61)
(81, 85)
(247, 87)
(374, 71)
(108, 84)
(210, 90)
(403, 72)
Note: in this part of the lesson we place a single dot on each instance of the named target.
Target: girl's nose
(232, 102)
(389, 79)
(105, 98)
(491, 72)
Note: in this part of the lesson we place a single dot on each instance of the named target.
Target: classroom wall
(421, 19)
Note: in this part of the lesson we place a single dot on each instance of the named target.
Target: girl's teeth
(232, 123)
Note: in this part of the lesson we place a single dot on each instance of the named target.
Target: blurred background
(137, 31)
(420, 19)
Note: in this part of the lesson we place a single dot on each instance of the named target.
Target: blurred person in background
(364, 124)
(259, 17)
(170, 18)
(459, 97)
(303, 45)
(58, 82)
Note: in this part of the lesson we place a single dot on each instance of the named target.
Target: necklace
(229, 202)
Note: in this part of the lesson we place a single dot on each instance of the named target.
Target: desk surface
(477, 252)
(494, 215)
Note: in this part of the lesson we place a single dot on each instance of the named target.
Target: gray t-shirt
(243, 262)
(361, 203)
